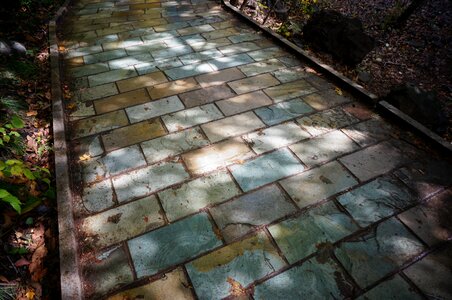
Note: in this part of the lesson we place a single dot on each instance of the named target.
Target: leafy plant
(307, 7)
(9, 137)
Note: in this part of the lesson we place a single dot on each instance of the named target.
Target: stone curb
(70, 281)
(351, 86)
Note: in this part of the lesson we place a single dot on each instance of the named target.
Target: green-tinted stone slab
(324, 148)
(122, 223)
(200, 56)
(99, 124)
(300, 237)
(318, 184)
(101, 91)
(189, 70)
(123, 159)
(369, 132)
(154, 109)
(237, 218)
(267, 53)
(230, 61)
(261, 67)
(242, 262)
(83, 51)
(104, 56)
(373, 255)
(99, 196)
(392, 289)
(325, 99)
(325, 121)
(238, 48)
(311, 280)
(245, 37)
(147, 180)
(283, 111)
(111, 76)
(124, 62)
(433, 274)
(172, 244)
(291, 74)
(197, 194)
(265, 169)
(376, 200)
(89, 69)
(289, 90)
(191, 117)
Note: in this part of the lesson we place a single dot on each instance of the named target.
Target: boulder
(341, 36)
(422, 106)
(5, 49)
(18, 48)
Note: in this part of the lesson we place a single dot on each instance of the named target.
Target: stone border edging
(70, 281)
(350, 85)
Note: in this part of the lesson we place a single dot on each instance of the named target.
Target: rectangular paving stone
(197, 57)
(133, 134)
(123, 159)
(206, 95)
(291, 74)
(121, 101)
(128, 61)
(374, 161)
(317, 184)
(221, 63)
(121, 223)
(171, 52)
(240, 263)
(394, 288)
(283, 111)
(159, 37)
(245, 37)
(267, 53)
(323, 148)
(289, 90)
(100, 91)
(188, 71)
(325, 99)
(170, 26)
(290, 61)
(148, 80)
(369, 132)
(197, 194)
(253, 83)
(193, 39)
(266, 169)
(302, 236)
(216, 156)
(162, 64)
(325, 121)
(238, 48)
(88, 70)
(237, 218)
(243, 103)
(275, 137)
(221, 33)
(219, 77)
(205, 19)
(261, 67)
(172, 244)
(320, 280)
(191, 117)
(210, 44)
(83, 51)
(98, 196)
(232, 126)
(145, 48)
(114, 29)
(122, 44)
(154, 109)
(99, 124)
(374, 254)
(195, 29)
(172, 88)
(111, 76)
(173, 144)
(144, 181)
(135, 33)
(376, 200)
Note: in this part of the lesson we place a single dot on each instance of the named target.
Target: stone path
(209, 162)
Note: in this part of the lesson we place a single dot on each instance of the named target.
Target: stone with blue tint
(393, 289)
(123, 159)
(283, 111)
(189, 70)
(230, 61)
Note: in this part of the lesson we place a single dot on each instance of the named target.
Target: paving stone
(275, 137)
(147, 180)
(267, 53)
(107, 271)
(245, 37)
(238, 48)
(92, 169)
(206, 95)
(99, 123)
(369, 132)
(376, 200)
(123, 159)
(283, 111)
(114, 29)
(320, 83)
(431, 220)
(133, 134)
(325, 99)
(232, 126)
(289, 90)
(205, 20)
(226, 24)
(230, 61)
(243, 103)
(291, 74)
(261, 67)
(100, 91)
(170, 26)
(171, 52)
(195, 29)
(98, 196)
(136, 33)
(317, 184)
(193, 39)
(200, 56)
(163, 64)
(373, 255)
(393, 289)
(83, 51)
(82, 111)
(314, 279)
(122, 44)
(290, 61)
(121, 101)
(121, 223)
(172, 244)
(324, 148)
(433, 274)
(221, 33)
(104, 56)
(159, 37)
(240, 263)
(359, 111)
(188, 71)
(253, 83)
(211, 44)
(88, 70)
(172, 285)
(325, 121)
(191, 117)
(89, 145)
(197, 194)
(374, 161)
(172, 88)
(141, 81)
(239, 217)
(128, 61)
(111, 76)
(300, 237)
(266, 169)
(154, 109)
(219, 77)
(145, 48)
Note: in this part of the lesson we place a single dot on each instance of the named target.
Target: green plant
(10, 139)
(307, 7)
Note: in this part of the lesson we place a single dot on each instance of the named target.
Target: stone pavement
(208, 162)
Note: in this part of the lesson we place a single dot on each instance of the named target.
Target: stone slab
(325, 99)
(197, 57)
(253, 83)
(128, 61)
(283, 111)
(97, 197)
(121, 101)
(172, 88)
(123, 159)
(154, 109)
(325, 121)
(188, 71)
(206, 95)
(93, 93)
(111, 76)
(191, 117)
(97, 124)
(289, 90)
(141, 81)
(267, 53)
(238, 48)
(243, 103)
(369, 132)
(219, 77)
(221, 63)
(261, 67)
(392, 289)
(88, 70)
(291, 74)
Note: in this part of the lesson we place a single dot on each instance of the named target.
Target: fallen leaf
(85, 157)
(30, 295)
(236, 288)
(339, 91)
(71, 106)
(36, 267)
(21, 262)
(32, 113)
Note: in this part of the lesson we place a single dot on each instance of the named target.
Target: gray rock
(364, 77)
(18, 48)
(5, 49)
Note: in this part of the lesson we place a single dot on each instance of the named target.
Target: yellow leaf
(84, 157)
(71, 106)
(32, 113)
(339, 91)
(30, 295)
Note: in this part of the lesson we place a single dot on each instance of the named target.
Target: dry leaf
(71, 106)
(21, 262)
(36, 267)
(30, 295)
(32, 113)
(339, 91)
(85, 157)
(236, 288)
